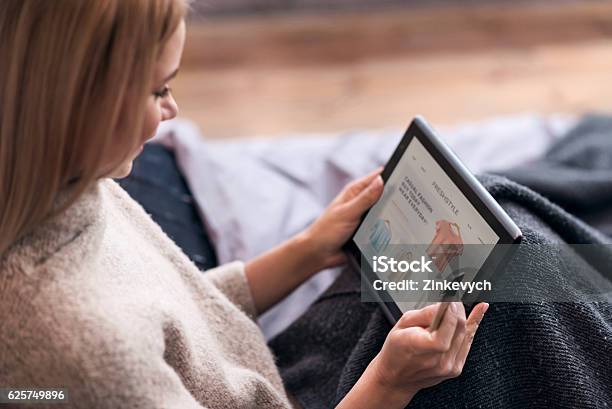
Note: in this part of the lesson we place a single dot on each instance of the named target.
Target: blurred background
(502, 80)
(271, 67)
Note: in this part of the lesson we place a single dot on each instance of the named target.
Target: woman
(94, 297)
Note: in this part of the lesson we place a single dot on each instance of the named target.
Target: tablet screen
(421, 205)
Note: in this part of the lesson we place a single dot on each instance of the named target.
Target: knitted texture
(100, 302)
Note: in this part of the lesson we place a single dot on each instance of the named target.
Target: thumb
(366, 198)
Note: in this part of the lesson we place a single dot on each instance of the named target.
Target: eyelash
(163, 93)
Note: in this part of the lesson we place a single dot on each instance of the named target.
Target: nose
(169, 108)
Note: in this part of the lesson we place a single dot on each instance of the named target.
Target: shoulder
(115, 195)
(119, 205)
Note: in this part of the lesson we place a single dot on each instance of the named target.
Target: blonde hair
(69, 68)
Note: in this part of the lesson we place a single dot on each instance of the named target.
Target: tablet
(433, 220)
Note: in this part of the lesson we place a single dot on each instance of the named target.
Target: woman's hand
(413, 357)
(334, 227)
(277, 272)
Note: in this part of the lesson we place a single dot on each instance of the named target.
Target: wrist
(304, 246)
(371, 391)
(394, 394)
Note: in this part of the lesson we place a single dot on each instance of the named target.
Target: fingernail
(453, 307)
(485, 308)
(377, 182)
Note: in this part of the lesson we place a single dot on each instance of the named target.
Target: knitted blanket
(525, 355)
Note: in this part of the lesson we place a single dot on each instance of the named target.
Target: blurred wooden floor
(269, 75)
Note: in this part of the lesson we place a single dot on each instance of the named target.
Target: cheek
(152, 119)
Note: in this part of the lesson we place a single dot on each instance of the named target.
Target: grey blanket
(525, 355)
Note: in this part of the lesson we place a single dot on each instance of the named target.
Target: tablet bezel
(476, 194)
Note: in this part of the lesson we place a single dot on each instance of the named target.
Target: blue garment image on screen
(380, 236)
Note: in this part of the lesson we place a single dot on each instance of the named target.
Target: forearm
(274, 274)
(370, 393)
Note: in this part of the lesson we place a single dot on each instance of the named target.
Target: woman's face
(161, 105)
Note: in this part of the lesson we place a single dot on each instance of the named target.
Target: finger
(458, 340)
(365, 199)
(472, 324)
(443, 336)
(417, 340)
(418, 318)
(357, 186)
(367, 179)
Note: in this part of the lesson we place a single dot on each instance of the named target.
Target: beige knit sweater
(101, 302)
